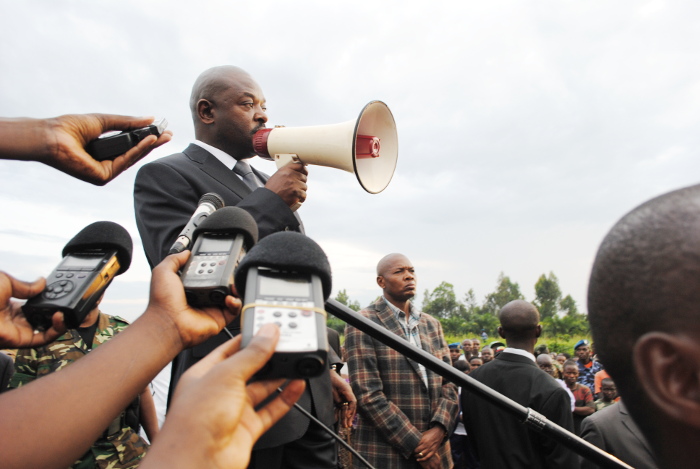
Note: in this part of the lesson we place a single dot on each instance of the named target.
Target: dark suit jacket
(501, 440)
(613, 430)
(166, 193)
(394, 405)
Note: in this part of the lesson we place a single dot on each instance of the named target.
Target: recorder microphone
(91, 260)
(208, 204)
(220, 242)
(285, 279)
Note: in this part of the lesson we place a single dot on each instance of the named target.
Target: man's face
(476, 345)
(609, 391)
(583, 353)
(239, 112)
(561, 359)
(467, 345)
(546, 366)
(475, 363)
(487, 355)
(454, 354)
(398, 279)
(570, 374)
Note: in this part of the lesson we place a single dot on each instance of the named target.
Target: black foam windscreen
(230, 220)
(103, 235)
(213, 198)
(287, 251)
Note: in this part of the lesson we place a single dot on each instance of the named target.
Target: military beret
(456, 345)
(581, 343)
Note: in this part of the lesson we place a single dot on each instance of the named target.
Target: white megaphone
(367, 146)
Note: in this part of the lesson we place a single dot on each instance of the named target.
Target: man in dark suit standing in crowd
(228, 107)
(500, 439)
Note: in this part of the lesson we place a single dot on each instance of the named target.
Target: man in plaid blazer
(405, 411)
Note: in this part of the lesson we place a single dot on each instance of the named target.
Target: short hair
(462, 365)
(645, 278)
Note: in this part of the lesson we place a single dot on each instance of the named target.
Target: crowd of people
(79, 395)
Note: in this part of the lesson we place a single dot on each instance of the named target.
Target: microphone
(208, 204)
(91, 260)
(286, 279)
(220, 242)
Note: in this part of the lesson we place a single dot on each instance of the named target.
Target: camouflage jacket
(120, 447)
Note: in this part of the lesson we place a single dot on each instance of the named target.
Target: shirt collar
(519, 351)
(227, 160)
(397, 312)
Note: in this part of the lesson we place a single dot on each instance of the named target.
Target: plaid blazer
(394, 405)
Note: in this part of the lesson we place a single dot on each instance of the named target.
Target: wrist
(25, 139)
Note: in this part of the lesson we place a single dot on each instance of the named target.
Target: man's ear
(205, 111)
(668, 369)
(538, 330)
(380, 281)
(500, 332)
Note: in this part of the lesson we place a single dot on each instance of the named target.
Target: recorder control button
(293, 325)
(59, 275)
(292, 314)
(277, 314)
(306, 313)
(70, 275)
(210, 271)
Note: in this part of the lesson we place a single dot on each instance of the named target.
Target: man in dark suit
(500, 439)
(405, 410)
(228, 107)
(644, 310)
(613, 430)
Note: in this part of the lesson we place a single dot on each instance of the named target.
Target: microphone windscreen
(287, 251)
(230, 220)
(103, 235)
(213, 198)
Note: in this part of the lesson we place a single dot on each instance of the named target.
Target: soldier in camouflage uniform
(120, 446)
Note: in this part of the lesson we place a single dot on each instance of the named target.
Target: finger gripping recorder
(220, 242)
(286, 279)
(90, 262)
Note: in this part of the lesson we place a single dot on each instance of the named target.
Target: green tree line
(559, 314)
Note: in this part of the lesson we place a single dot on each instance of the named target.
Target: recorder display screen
(74, 262)
(287, 286)
(213, 245)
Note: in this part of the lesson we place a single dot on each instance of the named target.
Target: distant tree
(442, 302)
(506, 291)
(547, 295)
(569, 306)
(342, 297)
(339, 324)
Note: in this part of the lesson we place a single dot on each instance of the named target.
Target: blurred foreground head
(644, 310)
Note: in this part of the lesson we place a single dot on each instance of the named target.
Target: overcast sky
(526, 128)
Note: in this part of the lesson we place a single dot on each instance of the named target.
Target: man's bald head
(212, 82)
(644, 307)
(520, 325)
(388, 261)
(228, 107)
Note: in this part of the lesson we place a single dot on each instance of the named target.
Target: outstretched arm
(216, 405)
(60, 142)
(115, 372)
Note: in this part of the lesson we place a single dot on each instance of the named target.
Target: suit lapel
(217, 170)
(631, 425)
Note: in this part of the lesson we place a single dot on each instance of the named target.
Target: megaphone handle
(285, 158)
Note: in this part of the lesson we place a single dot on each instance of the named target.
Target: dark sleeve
(163, 203)
(557, 408)
(591, 433)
